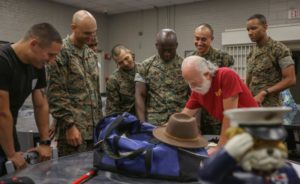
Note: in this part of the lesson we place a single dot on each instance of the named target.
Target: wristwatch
(45, 142)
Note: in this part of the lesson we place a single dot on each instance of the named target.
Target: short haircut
(260, 17)
(166, 34)
(116, 50)
(45, 33)
(208, 26)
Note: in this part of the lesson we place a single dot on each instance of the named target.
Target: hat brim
(160, 134)
(269, 133)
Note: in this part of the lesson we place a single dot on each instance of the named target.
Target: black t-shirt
(19, 80)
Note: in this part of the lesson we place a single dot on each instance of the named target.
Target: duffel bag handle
(111, 127)
(108, 150)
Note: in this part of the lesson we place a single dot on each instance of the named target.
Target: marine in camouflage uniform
(270, 67)
(217, 57)
(167, 92)
(203, 37)
(120, 89)
(264, 66)
(74, 94)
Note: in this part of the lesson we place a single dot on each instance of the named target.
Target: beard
(263, 159)
(204, 88)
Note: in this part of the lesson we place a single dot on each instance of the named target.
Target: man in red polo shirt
(216, 90)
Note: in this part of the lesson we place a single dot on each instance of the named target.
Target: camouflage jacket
(73, 89)
(264, 66)
(219, 58)
(167, 92)
(120, 91)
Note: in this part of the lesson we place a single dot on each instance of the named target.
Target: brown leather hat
(181, 130)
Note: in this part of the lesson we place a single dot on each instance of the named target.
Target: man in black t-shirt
(22, 73)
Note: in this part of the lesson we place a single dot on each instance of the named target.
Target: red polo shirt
(226, 83)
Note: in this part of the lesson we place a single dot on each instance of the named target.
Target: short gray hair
(200, 63)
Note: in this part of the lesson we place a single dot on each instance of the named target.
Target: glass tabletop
(67, 169)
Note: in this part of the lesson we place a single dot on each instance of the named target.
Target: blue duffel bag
(127, 146)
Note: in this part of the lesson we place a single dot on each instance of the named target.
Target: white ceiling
(121, 6)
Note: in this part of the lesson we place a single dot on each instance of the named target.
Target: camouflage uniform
(264, 66)
(217, 57)
(167, 92)
(209, 125)
(120, 91)
(74, 94)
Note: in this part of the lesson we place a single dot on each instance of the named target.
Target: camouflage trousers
(158, 118)
(65, 149)
(272, 100)
(209, 125)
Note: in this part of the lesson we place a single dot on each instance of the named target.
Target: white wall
(16, 17)
(277, 32)
(221, 14)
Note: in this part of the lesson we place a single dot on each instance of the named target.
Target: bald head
(81, 16)
(198, 64)
(166, 44)
(166, 35)
(84, 27)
